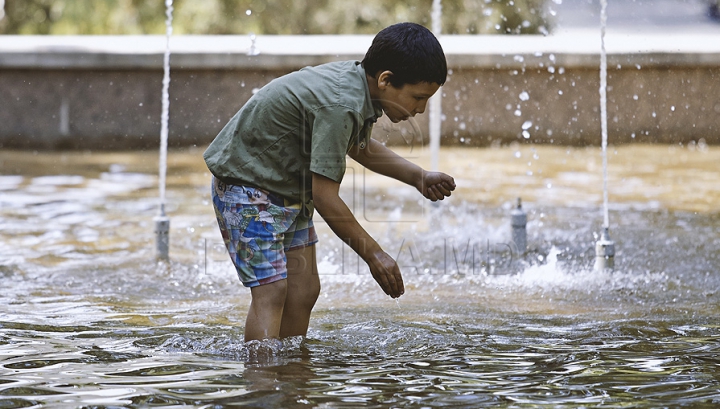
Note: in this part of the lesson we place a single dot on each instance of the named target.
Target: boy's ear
(383, 78)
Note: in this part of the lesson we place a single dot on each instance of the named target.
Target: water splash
(232, 346)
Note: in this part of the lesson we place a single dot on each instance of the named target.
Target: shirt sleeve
(334, 131)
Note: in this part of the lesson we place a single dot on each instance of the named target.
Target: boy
(283, 155)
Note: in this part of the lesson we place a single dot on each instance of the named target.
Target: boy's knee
(313, 292)
(271, 295)
(306, 294)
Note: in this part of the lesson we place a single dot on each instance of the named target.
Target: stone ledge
(104, 92)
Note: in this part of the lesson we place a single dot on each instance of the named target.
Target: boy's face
(401, 103)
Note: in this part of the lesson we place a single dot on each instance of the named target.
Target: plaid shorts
(258, 227)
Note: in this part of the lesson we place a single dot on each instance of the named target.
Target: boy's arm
(378, 158)
(338, 216)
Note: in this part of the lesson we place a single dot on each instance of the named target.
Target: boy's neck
(373, 87)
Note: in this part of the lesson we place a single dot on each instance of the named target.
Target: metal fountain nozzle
(162, 235)
(518, 221)
(605, 253)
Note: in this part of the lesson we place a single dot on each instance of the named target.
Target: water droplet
(551, 69)
(519, 58)
(672, 108)
(526, 134)
(518, 154)
(635, 97)
(560, 92)
(526, 125)
(524, 96)
(518, 112)
(248, 12)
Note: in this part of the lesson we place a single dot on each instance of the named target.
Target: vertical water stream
(162, 222)
(604, 247)
(436, 100)
(603, 109)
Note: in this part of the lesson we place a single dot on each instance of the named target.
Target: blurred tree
(268, 16)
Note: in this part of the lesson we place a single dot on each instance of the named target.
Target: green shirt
(300, 123)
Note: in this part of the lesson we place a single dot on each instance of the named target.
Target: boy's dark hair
(410, 51)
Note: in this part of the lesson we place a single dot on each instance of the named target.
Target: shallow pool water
(89, 319)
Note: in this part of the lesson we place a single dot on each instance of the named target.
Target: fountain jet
(162, 222)
(604, 248)
(435, 120)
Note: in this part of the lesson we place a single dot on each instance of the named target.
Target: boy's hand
(436, 185)
(387, 273)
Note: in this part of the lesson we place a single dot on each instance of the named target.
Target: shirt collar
(371, 110)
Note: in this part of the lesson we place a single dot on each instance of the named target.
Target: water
(89, 319)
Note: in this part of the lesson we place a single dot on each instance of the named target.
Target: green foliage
(267, 16)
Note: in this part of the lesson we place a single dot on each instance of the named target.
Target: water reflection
(89, 319)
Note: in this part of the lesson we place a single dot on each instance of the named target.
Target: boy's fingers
(387, 274)
(438, 192)
(397, 286)
(392, 284)
(445, 190)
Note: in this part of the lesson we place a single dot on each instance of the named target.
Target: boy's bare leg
(303, 288)
(266, 311)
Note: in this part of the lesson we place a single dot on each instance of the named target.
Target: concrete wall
(105, 92)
